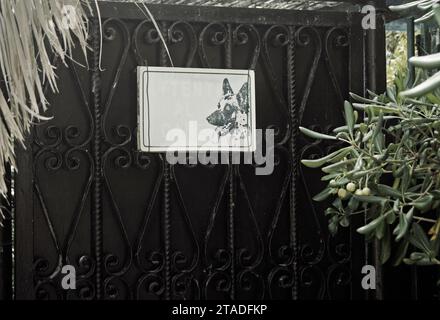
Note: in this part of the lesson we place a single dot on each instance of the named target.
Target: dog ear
(227, 89)
(243, 97)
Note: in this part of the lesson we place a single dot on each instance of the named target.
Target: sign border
(142, 79)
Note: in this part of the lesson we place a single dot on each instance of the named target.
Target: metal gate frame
(367, 44)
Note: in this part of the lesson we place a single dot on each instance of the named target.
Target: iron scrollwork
(137, 266)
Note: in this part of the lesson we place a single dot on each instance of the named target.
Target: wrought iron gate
(137, 228)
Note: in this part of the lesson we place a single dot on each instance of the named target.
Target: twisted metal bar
(167, 229)
(231, 228)
(293, 149)
(97, 188)
(166, 194)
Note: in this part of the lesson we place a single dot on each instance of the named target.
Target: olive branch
(389, 165)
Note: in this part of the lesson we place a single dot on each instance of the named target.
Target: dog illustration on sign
(231, 116)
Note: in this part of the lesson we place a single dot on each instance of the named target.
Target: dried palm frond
(31, 33)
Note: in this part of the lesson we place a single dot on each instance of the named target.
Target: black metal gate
(137, 228)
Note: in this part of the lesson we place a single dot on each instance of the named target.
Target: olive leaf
(404, 223)
(338, 165)
(385, 245)
(353, 204)
(424, 203)
(372, 225)
(372, 199)
(316, 163)
(316, 135)
(419, 239)
(400, 252)
(349, 117)
(430, 61)
(387, 191)
(423, 88)
(324, 194)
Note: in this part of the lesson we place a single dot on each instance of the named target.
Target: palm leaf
(32, 31)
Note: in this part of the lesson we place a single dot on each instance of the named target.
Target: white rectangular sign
(189, 109)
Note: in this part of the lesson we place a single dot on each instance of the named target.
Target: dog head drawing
(229, 108)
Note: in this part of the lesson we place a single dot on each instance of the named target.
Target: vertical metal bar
(294, 125)
(358, 244)
(376, 63)
(371, 61)
(410, 48)
(437, 40)
(379, 269)
(167, 229)
(97, 175)
(427, 42)
(365, 80)
(6, 240)
(423, 40)
(231, 229)
(365, 87)
(233, 168)
(166, 193)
